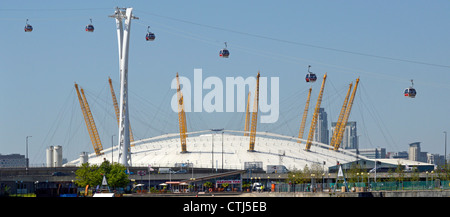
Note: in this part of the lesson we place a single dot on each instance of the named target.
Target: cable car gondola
(90, 27)
(410, 91)
(28, 27)
(310, 77)
(224, 53)
(150, 35)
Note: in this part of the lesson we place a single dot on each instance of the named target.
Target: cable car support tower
(123, 35)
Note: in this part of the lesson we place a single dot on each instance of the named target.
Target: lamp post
(432, 181)
(313, 182)
(112, 149)
(212, 148)
(323, 181)
(293, 182)
(329, 181)
(278, 183)
(212, 153)
(222, 150)
(27, 160)
(445, 150)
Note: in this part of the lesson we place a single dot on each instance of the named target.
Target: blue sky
(384, 43)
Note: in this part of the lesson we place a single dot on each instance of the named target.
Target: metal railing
(362, 186)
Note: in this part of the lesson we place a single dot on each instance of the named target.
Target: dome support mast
(340, 134)
(305, 114)
(315, 115)
(254, 117)
(181, 117)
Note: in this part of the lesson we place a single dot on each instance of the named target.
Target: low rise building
(12, 160)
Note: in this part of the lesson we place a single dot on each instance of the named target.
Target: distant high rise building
(350, 137)
(414, 151)
(436, 159)
(415, 154)
(322, 134)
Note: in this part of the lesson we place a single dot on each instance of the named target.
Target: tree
(304, 175)
(353, 173)
(400, 173)
(87, 175)
(208, 184)
(117, 176)
(317, 169)
(298, 176)
(391, 177)
(246, 185)
(444, 173)
(92, 175)
(415, 175)
(225, 185)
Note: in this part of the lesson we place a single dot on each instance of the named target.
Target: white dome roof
(270, 149)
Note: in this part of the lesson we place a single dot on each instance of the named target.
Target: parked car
(59, 174)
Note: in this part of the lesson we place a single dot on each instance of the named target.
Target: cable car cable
(287, 58)
(298, 43)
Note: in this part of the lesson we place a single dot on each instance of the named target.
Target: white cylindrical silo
(57, 156)
(84, 158)
(50, 156)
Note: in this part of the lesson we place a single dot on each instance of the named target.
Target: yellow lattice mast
(181, 117)
(90, 124)
(116, 109)
(345, 118)
(305, 114)
(116, 105)
(315, 115)
(341, 116)
(254, 117)
(247, 115)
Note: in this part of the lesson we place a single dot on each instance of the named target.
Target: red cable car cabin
(224, 53)
(150, 36)
(311, 77)
(410, 92)
(28, 28)
(90, 28)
